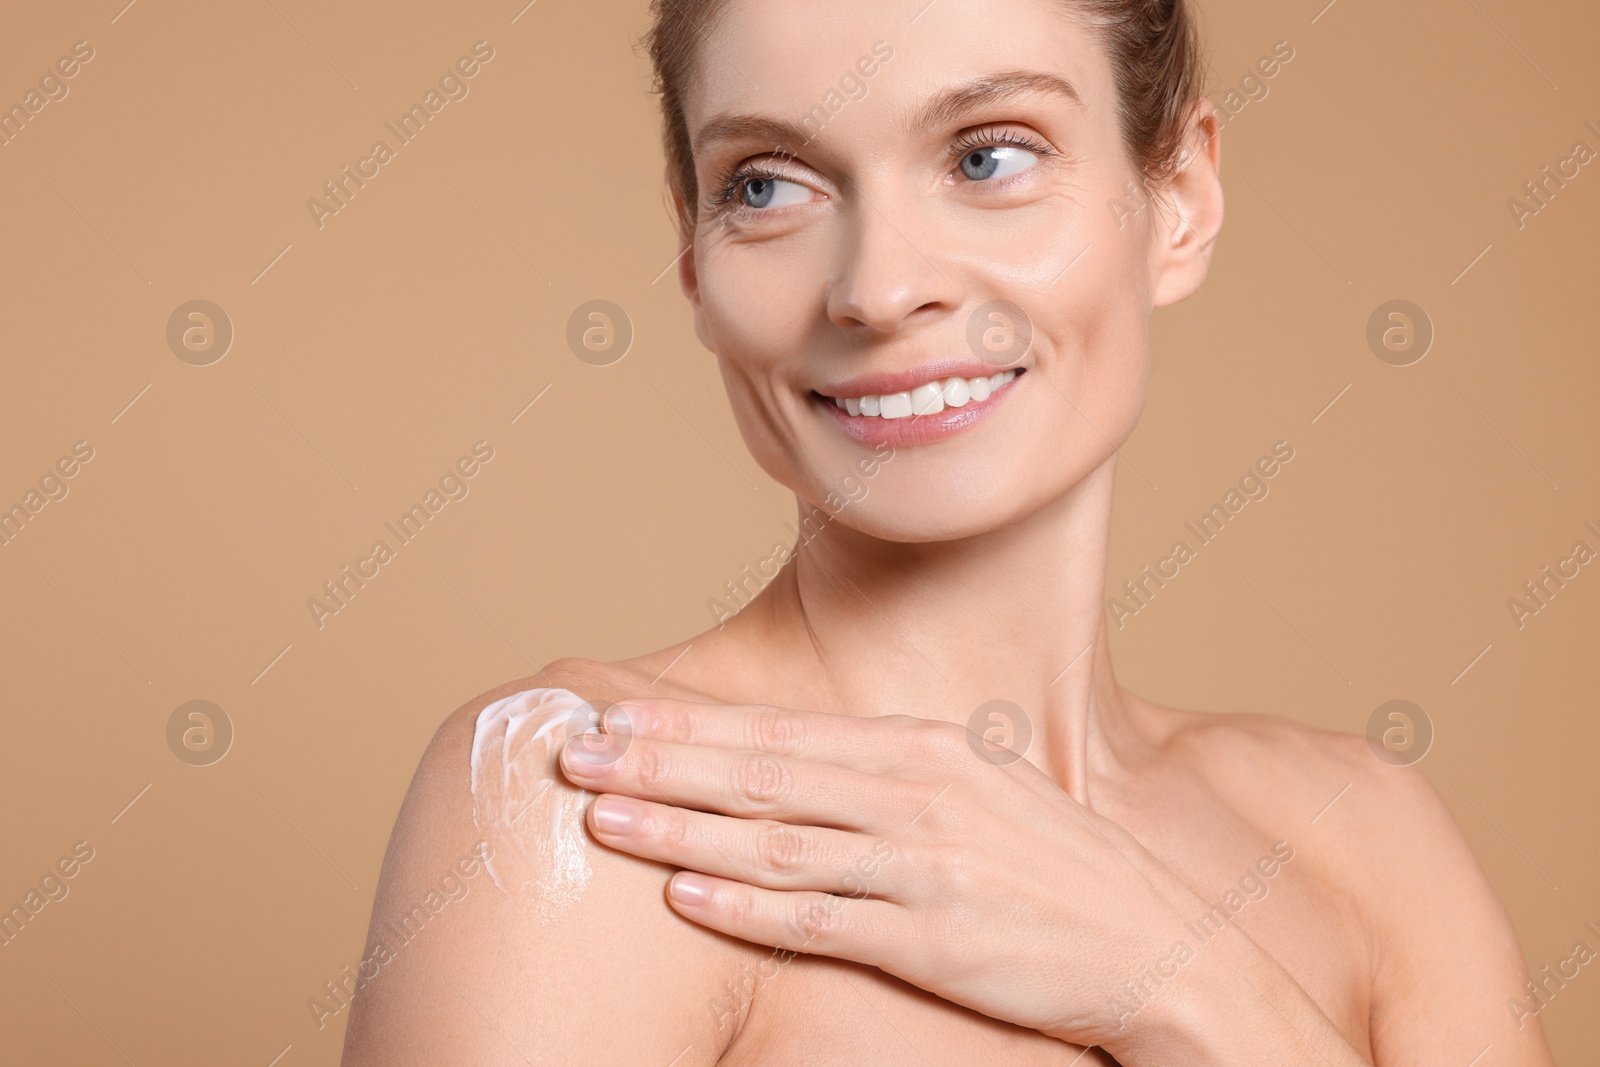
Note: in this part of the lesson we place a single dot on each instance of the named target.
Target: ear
(689, 282)
(688, 273)
(1186, 228)
(688, 279)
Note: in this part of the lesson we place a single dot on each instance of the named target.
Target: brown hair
(1156, 67)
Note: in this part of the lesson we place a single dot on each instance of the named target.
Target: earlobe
(688, 277)
(689, 282)
(688, 269)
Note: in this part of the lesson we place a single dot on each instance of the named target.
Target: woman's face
(890, 207)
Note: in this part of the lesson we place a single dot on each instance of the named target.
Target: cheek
(1091, 362)
(1095, 327)
(748, 306)
(1102, 331)
(755, 318)
(1107, 371)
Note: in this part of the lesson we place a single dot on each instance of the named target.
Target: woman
(924, 242)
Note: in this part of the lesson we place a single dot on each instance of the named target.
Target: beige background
(427, 314)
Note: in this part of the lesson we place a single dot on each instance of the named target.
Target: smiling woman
(800, 854)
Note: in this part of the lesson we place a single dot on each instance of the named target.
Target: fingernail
(615, 816)
(625, 719)
(588, 751)
(690, 889)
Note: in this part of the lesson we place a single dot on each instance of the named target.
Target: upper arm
(459, 970)
(1448, 964)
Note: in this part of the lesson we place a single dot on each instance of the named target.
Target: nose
(887, 277)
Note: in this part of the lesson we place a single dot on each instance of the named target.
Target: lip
(877, 383)
(914, 429)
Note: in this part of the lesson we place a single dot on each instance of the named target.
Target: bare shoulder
(1281, 773)
(1447, 970)
(1372, 819)
(502, 932)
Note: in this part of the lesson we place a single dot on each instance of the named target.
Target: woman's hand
(901, 843)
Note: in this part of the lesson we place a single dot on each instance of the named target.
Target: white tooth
(956, 392)
(852, 405)
(870, 405)
(1011, 375)
(838, 402)
(996, 380)
(895, 405)
(928, 399)
(979, 388)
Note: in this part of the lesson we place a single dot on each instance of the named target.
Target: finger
(820, 924)
(743, 783)
(935, 751)
(761, 852)
(882, 744)
(875, 744)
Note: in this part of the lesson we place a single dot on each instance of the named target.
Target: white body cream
(523, 806)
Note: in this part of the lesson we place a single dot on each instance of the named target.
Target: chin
(921, 522)
(923, 496)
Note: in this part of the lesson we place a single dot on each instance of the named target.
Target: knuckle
(776, 730)
(739, 907)
(783, 848)
(671, 723)
(650, 767)
(818, 918)
(960, 870)
(939, 739)
(763, 780)
(946, 816)
(672, 830)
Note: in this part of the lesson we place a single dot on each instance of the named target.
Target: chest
(817, 1011)
(814, 1010)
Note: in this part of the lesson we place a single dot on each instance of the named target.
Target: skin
(807, 767)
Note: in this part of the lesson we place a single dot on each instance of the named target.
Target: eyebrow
(947, 107)
(749, 127)
(958, 101)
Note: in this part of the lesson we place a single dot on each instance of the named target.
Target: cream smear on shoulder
(523, 806)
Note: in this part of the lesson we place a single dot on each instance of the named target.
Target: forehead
(780, 59)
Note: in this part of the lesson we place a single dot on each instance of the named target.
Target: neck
(937, 630)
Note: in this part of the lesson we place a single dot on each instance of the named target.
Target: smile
(929, 398)
(929, 412)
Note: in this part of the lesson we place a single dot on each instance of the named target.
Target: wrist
(1170, 1023)
(1163, 1014)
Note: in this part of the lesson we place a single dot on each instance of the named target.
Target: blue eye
(764, 192)
(996, 161)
